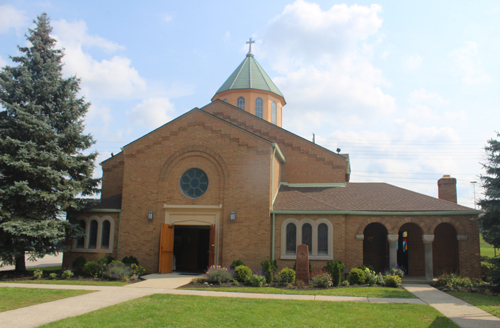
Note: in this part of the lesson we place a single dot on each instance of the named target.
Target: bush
(257, 280)
(357, 277)
(219, 274)
(79, 264)
(105, 260)
(395, 270)
(268, 268)
(300, 284)
(198, 280)
(242, 273)
(392, 281)
(138, 270)
(116, 270)
(236, 263)
(130, 260)
(454, 280)
(486, 269)
(366, 266)
(322, 279)
(380, 279)
(371, 277)
(67, 274)
(286, 276)
(345, 283)
(335, 268)
(93, 268)
(53, 275)
(37, 274)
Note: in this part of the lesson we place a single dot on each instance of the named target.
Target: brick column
(393, 249)
(428, 239)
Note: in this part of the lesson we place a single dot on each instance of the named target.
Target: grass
(384, 292)
(13, 298)
(488, 303)
(69, 282)
(195, 311)
(486, 249)
(52, 268)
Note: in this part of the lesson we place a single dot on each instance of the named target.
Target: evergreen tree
(490, 220)
(42, 165)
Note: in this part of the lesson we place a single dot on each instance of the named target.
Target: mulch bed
(273, 284)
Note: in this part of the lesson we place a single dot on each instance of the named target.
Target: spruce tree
(43, 168)
(490, 204)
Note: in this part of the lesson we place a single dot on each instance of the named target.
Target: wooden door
(166, 248)
(211, 247)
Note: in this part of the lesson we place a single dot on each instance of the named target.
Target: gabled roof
(362, 197)
(249, 75)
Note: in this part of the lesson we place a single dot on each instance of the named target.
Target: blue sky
(408, 88)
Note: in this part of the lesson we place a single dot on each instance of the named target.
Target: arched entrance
(375, 249)
(445, 250)
(411, 253)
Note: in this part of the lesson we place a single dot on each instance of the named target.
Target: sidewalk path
(462, 313)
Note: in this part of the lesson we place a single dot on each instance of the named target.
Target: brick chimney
(447, 189)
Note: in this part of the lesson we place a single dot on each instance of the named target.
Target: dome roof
(249, 75)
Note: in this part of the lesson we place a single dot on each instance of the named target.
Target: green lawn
(52, 268)
(490, 304)
(68, 282)
(197, 311)
(385, 292)
(486, 249)
(13, 298)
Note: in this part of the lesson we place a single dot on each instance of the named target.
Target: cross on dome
(249, 42)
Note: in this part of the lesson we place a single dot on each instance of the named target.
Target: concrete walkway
(462, 313)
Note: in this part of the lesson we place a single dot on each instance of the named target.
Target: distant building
(226, 182)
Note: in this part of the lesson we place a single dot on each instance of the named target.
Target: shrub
(335, 268)
(235, 282)
(105, 260)
(380, 279)
(53, 275)
(357, 277)
(268, 268)
(286, 276)
(366, 266)
(116, 270)
(37, 274)
(219, 274)
(67, 274)
(93, 268)
(345, 283)
(300, 284)
(79, 264)
(257, 280)
(242, 273)
(486, 269)
(128, 260)
(395, 270)
(392, 281)
(371, 277)
(198, 280)
(236, 263)
(138, 270)
(322, 279)
(454, 280)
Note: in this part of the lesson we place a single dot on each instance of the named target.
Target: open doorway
(191, 248)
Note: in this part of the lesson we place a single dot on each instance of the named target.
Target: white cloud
(152, 112)
(427, 105)
(424, 96)
(108, 78)
(166, 17)
(11, 17)
(3, 62)
(227, 36)
(100, 113)
(412, 63)
(468, 64)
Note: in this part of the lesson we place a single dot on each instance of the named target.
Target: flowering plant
(219, 274)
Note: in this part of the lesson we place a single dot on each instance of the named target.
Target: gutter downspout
(118, 242)
(272, 203)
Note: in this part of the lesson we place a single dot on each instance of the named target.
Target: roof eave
(378, 213)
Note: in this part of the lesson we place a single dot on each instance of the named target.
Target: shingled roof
(378, 197)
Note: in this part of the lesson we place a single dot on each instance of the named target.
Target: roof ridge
(241, 68)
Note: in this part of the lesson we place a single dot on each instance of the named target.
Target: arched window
(274, 113)
(307, 236)
(258, 107)
(80, 243)
(93, 234)
(105, 234)
(323, 239)
(241, 103)
(291, 238)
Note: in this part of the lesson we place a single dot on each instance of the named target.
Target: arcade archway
(445, 250)
(375, 246)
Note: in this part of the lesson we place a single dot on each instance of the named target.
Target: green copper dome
(249, 75)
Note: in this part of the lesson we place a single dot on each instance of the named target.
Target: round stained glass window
(194, 183)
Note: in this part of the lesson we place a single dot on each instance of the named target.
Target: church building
(226, 182)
